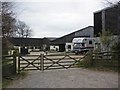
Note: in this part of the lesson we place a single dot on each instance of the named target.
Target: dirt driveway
(68, 78)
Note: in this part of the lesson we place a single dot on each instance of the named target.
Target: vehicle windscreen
(76, 45)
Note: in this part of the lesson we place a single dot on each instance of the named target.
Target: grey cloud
(57, 19)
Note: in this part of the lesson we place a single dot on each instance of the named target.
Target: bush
(116, 47)
(87, 60)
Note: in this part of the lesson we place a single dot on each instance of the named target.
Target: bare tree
(8, 19)
(22, 30)
(8, 24)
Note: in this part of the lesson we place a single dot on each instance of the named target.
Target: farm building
(65, 42)
(58, 44)
(30, 43)
(107, 19)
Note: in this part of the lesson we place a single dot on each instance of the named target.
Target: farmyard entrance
(47, 62)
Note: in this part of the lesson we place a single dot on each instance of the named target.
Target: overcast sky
(55, 18)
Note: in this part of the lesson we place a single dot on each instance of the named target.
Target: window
(36, 47)
(31, 47)
(39, 47)
(90, 42)
(69, 46)
(83, 44)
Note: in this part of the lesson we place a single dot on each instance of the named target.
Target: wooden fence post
(14, 63)
(42, 62)
(18, 64)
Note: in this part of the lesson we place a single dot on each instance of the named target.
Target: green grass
(8, 80)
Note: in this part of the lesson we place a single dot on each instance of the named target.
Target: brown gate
(61, 61)
(47, 62)
(29, 62)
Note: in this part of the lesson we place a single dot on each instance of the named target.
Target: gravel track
(68, 78)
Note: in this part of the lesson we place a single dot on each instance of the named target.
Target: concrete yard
(68, 78)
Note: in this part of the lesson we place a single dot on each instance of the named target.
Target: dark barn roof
(26, 41)
(69, 37)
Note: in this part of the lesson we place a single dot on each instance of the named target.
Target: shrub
(116, 47)
(87, 60)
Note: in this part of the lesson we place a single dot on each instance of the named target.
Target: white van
(83, 44)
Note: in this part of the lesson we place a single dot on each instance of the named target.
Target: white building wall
(67, 49)
(54, 48)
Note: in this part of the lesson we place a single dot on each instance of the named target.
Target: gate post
(42, 62)
(14, 63)
(18, 64)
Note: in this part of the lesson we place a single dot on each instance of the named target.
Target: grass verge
(8, 80)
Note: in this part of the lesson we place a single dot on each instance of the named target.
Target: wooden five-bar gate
(56, 61)
(46, 62)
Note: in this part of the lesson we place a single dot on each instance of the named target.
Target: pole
(42, 62)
